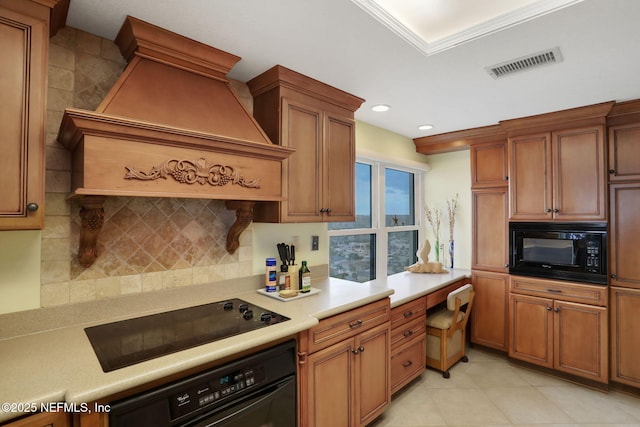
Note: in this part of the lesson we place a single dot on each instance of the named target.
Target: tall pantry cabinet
(624, 235)
(490, 202)
(318, 121)
(24, 38)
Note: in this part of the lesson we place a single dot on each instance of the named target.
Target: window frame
(378, 224)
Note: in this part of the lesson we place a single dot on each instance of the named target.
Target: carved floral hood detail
(190, 172)
(174, 114)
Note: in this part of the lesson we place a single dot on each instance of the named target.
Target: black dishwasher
(258, 390)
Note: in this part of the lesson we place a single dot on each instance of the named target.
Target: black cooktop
(132, 341)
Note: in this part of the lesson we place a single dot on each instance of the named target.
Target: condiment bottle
(284, 281)
(270, 276)
(305, 278)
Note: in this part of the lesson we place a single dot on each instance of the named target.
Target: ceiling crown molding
(496, 24)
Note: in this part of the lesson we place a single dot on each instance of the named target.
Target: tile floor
(489, 391)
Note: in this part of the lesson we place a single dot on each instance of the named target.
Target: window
(384, 237)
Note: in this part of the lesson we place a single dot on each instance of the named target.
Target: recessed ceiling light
(425, 127)
(380, 107)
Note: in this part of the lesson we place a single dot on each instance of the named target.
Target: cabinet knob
(614, 276)
(548, 308)
(32, 207)
(556, 309)
(407, 364)
(328, 210)
(357, 350)
(548, 210)
(506, 178)
(556, 210)
(612, 171)
(322, 210)
(506, 265)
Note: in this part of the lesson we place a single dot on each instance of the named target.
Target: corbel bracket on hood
(171, 126)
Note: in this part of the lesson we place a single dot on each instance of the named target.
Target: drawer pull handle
(355, 324)
(408, 333)
(408, 314)
(557, 291)
(407, 363)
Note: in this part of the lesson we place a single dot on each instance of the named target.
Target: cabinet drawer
(407, 332)
(565, 291)
(408, 312)
(342, 326)
(408, 362)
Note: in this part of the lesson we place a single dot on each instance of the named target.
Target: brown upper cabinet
(624, 152)
(489, 165)
(557, 168)
(24, 37)
(318, 121)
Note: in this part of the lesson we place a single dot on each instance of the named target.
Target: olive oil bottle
(305, 278)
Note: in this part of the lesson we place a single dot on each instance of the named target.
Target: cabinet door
(338, 194)
(372, 373)
(625, 336)
(490, 310)
(23, 43)
(490, 232)
(530, 177)
(624, 235)
(302, 130)
(581, 340)
(624, 152)
(43, 419)
(329, 399)
(531, 329)
(579, 174)
(489, 165)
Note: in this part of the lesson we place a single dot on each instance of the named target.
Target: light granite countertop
(59, 364)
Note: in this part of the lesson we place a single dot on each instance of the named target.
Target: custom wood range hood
(171, 126)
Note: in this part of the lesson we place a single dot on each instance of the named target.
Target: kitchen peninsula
(63, 356)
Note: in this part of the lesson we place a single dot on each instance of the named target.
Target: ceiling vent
(550, 56)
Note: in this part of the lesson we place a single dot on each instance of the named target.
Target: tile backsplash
(146, 244)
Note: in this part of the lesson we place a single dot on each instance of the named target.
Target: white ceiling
(434, 75)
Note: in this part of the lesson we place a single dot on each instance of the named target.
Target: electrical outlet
(314, 243)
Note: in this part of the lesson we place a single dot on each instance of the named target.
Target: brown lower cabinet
(344, 370)
(43, 419)
(551, 325)
(625, 335)
(408, 342)
(489, 317)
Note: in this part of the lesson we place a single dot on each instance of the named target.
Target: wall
(450, 175)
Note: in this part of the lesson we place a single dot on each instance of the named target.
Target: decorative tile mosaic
(142, 235)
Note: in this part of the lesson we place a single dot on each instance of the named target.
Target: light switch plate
(314, 243)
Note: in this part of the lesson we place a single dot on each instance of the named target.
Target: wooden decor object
(169, 125)
(244, 216)
(92, 215)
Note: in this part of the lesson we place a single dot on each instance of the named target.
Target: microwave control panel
(593, 256)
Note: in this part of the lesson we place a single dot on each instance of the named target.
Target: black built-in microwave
(565, 251)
